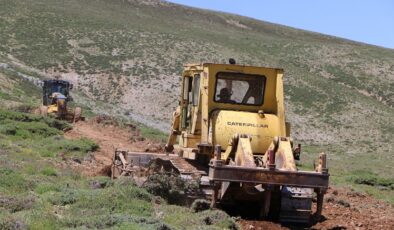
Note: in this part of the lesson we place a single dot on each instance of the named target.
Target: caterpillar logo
(231, 123)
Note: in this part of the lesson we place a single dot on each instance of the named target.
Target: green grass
(38, 194)
(365, 174)
(152, 133)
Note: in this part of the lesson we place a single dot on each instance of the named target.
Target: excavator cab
(53, 88)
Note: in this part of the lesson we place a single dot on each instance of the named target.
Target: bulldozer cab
(55, 86)
(221, 100)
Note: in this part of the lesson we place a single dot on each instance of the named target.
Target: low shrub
(49, 171)
(27, 129)
(372, 179)
(11, 222)
(200, 205)
(72, 148)
(13, 181)
(46, 187)
(65, 197)
(16, 204)
(27, 117)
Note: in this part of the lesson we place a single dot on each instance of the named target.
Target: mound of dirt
(343, 209)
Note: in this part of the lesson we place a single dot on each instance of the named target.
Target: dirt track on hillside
(108, 137)
(343, 208)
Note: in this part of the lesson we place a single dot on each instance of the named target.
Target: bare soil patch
(343, 209)
(109, 136)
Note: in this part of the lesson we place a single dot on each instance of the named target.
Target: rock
(95, 185)
(76, 160)
(343, 203)
(154, 148)
(4, 66)
(329, 198)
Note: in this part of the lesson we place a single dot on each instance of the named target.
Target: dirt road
(108, 137)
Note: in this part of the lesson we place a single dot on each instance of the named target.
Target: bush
(200, 205)
(65, 197)
(172, 188)
(12, 223)
(372, 179)
(75, 148)
(26, 117)
(46, 187)
(82, 145)
(13, 181)
(16, 204)
(48, 171)
(100, 182)
(27, 130)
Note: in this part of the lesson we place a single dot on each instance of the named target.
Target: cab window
(238, 88)
(196, 89)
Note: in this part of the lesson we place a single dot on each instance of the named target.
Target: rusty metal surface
(143, 159)
(266, 176)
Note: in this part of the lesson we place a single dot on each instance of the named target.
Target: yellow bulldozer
(231, 119)
(55, 98)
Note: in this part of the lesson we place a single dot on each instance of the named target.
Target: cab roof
(199, 66)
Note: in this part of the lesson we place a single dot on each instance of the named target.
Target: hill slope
(123, 54)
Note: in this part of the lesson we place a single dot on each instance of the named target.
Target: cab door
(190, 110)
(186, 101)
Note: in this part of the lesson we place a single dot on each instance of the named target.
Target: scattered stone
(329, 198)
(343, 203)
(89, 158)
(4, 66)
(76, 160)
(96, 185)
(154, 148)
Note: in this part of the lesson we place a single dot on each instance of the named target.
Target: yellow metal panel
(262, 129)
(52, 109)
(244, 154)
(190, 141)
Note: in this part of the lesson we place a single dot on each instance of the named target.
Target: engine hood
(226, 123)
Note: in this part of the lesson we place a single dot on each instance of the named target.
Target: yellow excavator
(56, 95)
(231, 119)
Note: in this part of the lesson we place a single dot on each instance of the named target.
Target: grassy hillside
(123, 54)
(38, 190)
